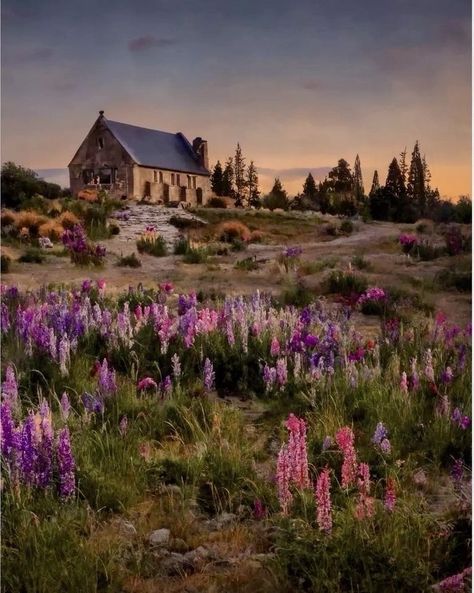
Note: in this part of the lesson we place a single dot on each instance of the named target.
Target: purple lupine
(10, 386)
(45, 446)
(166, 385)
(66, 464)
(269, 376)
(9, 437)
(447, 376)
(65, 406)
(106, 381)
(281, 372)
(457, 473)
(28, 450)
(176, 366)
(92, 404)
(380, 433)
(209, 375)
(460, 419)
(327, 443)
(5, 323)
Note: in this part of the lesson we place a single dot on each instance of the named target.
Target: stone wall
(172, 188)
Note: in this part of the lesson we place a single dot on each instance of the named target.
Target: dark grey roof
(153, 148)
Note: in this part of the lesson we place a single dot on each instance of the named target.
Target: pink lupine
(283, 479)
(345, 442)
(390, 495)
(323, 500)
(10, 386)
(281, 372)
(147, 383)
(275, 347)
(365, 504)
(297, 451)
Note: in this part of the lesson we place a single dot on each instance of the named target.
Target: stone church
(139, 163)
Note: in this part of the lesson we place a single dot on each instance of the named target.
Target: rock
(176, 564)
(200, 557)
(159, 537)
(179, 545)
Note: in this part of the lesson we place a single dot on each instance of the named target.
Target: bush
(8, 217)
(231, 231)
(346, 227)
(346, 283)
(426, 251)
(68, 219)
(32, 256)
(5, 264)
(216, 202)
(248, 264)
(456, 242)
(51, 229)
(180, 222)
(153, 244)
(257, 237)
(461, 281)
(129, 261)
(82, 252)
(275, 201)
(195, 255)
(359, 262)
(297, 294)
(331, 229)
(181, 246)
(30, 220)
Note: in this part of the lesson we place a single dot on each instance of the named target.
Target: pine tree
(403, 165)
(394, 183)
(277, 198)
(375, 183)
(228, 178)
(310, 191)
(252, 186)
(341, 176)
(239, 176)
(217, 180)
(416, 181)
(358, 181)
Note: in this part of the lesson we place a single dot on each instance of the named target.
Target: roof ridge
(112, 121)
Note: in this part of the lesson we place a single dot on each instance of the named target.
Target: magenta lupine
(297, 451)
(66, 464)
(65, 406)
(390, 497)
(10, 386)
(345, 442)
(259, 511)
(323, 500)
(147, 384)
(106, 382)
(455, 583)
(209, 375)
(274, 347)
(283, 479)
(281, 372)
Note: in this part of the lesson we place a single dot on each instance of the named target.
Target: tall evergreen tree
(239, 176)
(217, 180)
(358, 181)
(375, 183)
(228, 178)
(309, 190)
(252, 186)
(341, 176)
(404, 165)
(394, 183)
(416, 181)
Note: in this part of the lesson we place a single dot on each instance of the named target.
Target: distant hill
(59, 176)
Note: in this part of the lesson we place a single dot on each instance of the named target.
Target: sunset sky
(298, 83)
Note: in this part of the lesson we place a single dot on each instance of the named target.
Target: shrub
(152, 243)
(346, 283)
(331, 229)
(80, 250)
(51, 229)
(425, 251)
(257, 237)
(297, 294)
(32, 256)
(181, 246)
(275, 201)
(346, 227)
(30, 220)
(359, 262)
(68, 219)
(461, 281)
(456, 242)
(180, 222)
(196, 255)
(8, 217)
(249, 264)
(216, 202)
(129, 261)
(5, 264)
(231, 231)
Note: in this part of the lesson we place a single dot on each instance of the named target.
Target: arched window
(161, 176)
(172, 178)
(155, 176)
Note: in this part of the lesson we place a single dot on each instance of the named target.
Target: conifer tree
(375, 183)
(228, 178)
(416, 181)
(403, 165)
(217, 179)
(394, 183)
(310, 191)
(341, 176)
(239, 176)
(252, 186)
(358, 182)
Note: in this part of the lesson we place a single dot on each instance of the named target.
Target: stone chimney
(200, 148)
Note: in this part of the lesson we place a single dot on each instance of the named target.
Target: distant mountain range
(59, 176)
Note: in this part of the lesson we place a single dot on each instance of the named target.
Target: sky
(299, 84)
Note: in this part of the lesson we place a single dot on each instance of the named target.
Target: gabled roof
(152, 148)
